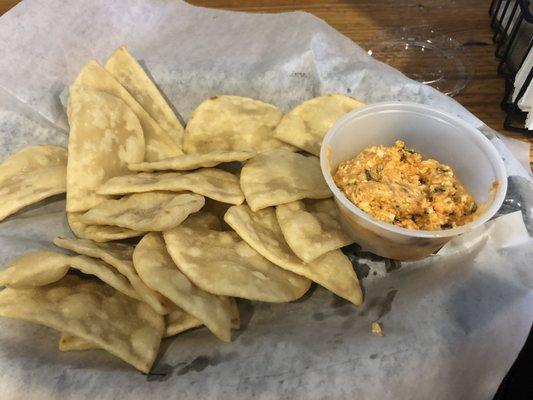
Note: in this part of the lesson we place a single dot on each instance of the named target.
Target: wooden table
(371, 22)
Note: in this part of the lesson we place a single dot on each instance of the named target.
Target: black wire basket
(512, 22)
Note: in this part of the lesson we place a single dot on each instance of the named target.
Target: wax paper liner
(453, 323)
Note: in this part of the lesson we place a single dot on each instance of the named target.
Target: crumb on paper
(377, 329)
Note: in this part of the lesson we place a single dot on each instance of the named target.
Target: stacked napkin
(526, 102)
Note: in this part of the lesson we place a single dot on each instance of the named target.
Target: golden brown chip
(219, 209)
(261, 231)
(105, 135)
(92, 311)
(189, 162)
(68, 342)
(36, 268)
(179, 321)
(119, 256)
(43, 267)
(176, 322)
(232, 123)
(98, 233)
(130, 74)
(209, 182)
(306, 125)
(105, 272)
(311, 229)
(223, 264)
(204, 219)
(281, 176)
(235, 315)
(31, 175)
(152, 211)
(158, 271)
(160, 144)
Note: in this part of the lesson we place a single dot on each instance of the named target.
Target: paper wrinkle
(468, 242)
(520, 150)
(506, 231)
(21, 126)
(512, 164)
(191, 69)
(509, 231)
(441, 316)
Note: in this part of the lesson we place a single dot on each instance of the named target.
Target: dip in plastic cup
(433, 133)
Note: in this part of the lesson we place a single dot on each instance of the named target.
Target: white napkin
(526, 102)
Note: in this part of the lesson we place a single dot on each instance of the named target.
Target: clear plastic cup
(433, 133)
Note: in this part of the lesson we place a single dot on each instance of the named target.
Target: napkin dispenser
(512, 22)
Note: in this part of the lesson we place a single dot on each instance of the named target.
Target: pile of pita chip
(172, 224)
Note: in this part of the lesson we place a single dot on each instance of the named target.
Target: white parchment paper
(453, 322)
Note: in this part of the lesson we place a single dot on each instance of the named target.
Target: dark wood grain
(371, 22)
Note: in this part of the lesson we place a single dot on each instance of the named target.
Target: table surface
(371, 22)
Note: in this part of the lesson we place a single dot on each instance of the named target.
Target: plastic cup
(433, 133)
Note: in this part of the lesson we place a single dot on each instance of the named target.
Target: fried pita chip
(119, 256)
(105, 272)
(306, 125)
(311, 229)
(68, 342)
(175, 322)
(31, 175)
(36, 268)
(43, 267)
(189, 162)
(98, 233)
(235, 315)
(261, 230)
(204, 219)
(218, 209)
(281, 176)
(232, 123)
(130, 74)
(179, 321)
(209, 182)
(159, 143)
(223, 264)
(152, 211)
(86, 309)
(115, 252)
(105, 135)
(158, 271)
